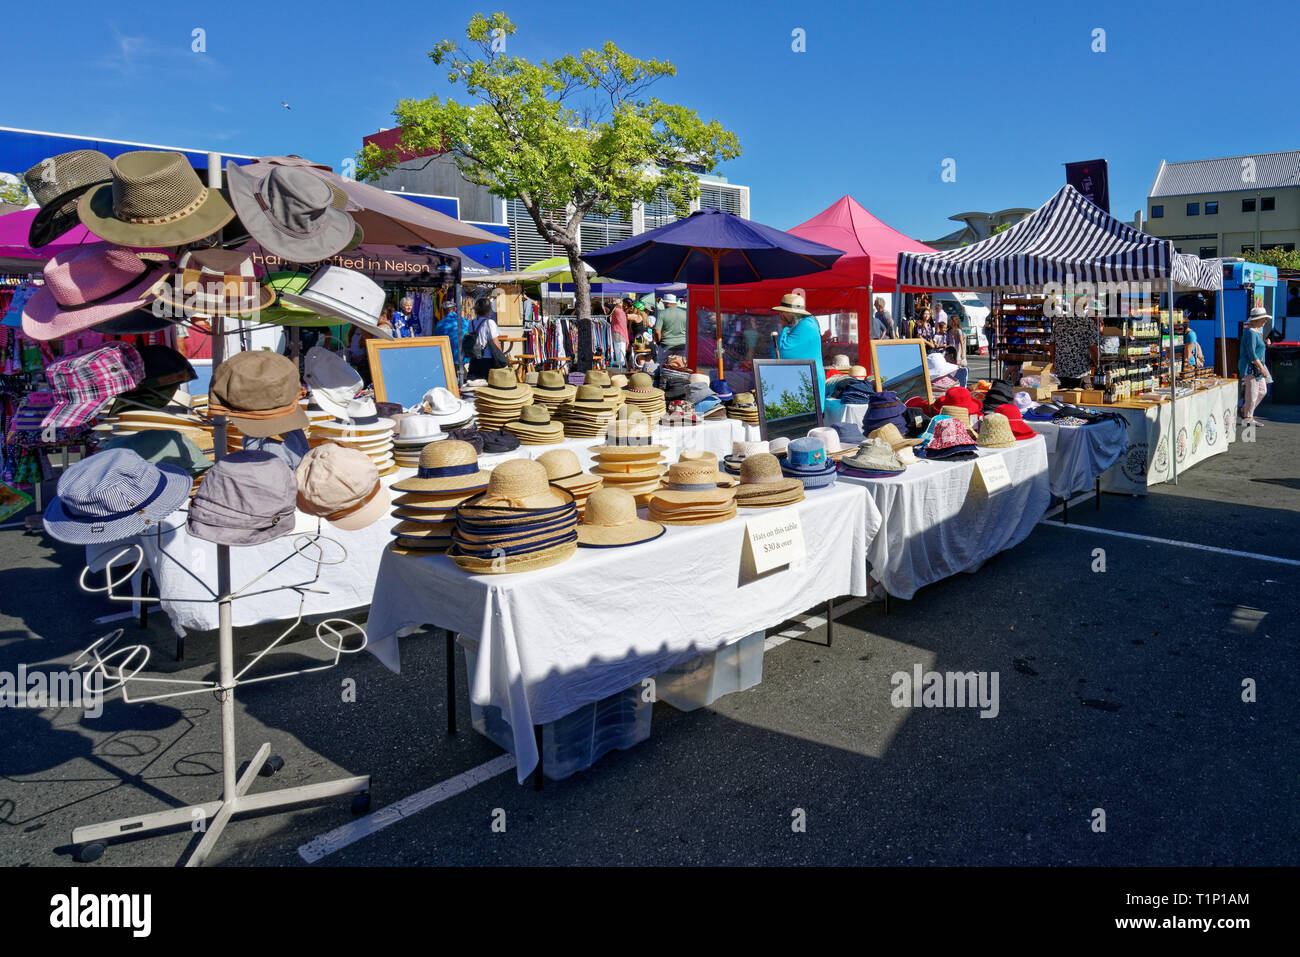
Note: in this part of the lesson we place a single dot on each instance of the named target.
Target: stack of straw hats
(363, 430)
(563, 469)
(448, 474)
(744, 408)
(132, 421)
(589, 412)
(691, 496)
(534, 427)
(693, 456)
(501, 400)
(520, 523)
(763, 485)
(642, 394)
(552, 391)
(628, 461)
(612, 386)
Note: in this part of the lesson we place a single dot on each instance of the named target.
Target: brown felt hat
(259, 392)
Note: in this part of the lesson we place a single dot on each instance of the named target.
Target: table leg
(1097, 492)
(451, 682)
(830, 621)
(537, 783)
(886, 603)
(145, 578)
(1065, 511)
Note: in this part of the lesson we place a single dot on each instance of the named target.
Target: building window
(1212, 208)
(1266, 204)
(1208, 252)
(1247, 250)
(1286, 247)
(1157, 212)
(1247, 205)
(1193, 209)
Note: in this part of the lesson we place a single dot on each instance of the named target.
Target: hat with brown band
(259, 392)
(341, 485)
(154, 199)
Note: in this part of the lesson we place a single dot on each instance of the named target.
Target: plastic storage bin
(576, 741)
(703, 680)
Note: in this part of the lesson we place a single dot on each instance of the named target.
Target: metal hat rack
(112, 664)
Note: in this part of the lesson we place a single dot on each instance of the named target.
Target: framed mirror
(789, 397)
(403, 370)
(899, 366)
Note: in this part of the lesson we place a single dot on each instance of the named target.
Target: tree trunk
(581, 288)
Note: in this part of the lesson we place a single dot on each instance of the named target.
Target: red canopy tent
(869, 265)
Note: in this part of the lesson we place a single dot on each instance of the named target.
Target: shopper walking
(618, 325)
(670, 329)
(1254, 375)
(882, 323)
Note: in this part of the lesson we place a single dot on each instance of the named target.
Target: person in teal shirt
(1251, 370)
(800, 336)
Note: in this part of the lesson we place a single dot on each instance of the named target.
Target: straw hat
(693, 456)
(446, 466)
(552, 389)
(761, 481)
(995, 432)
(692, 483)
(598, 377)
(563, 469)
(534, 426)
(960, 414)
(520, 523)
(611, 521)
(894, 437)
(792, 304)
(521, 483)
(840, 362)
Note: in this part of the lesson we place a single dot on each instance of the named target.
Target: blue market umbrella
(712, 246)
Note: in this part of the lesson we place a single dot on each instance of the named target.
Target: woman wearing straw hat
(1251, 370)
(800, 336)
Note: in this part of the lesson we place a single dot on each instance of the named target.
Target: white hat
(779, 446)
(938, 366)
(442, 406)
(841, 361)
(417, 429)
(344, 294)
(1258, 314)
(668, 300)
(742, 449)
(831, 440)
(332, 381)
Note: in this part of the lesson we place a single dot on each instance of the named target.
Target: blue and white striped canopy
(1067, 238)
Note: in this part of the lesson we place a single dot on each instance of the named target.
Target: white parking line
(1170, 541)
(341, 837)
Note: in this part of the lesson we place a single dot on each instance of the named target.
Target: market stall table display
(1206, 422)
(938, 523)
(1078, 455)
(538, 659)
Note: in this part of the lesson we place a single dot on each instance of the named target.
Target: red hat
(916, 402)
(1019, 428)
(958, 396)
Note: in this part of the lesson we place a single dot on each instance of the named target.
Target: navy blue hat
(722, 389)
(883, 408)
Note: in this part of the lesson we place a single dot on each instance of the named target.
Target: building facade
(436, 175)
(1233, 206)
(977, 226)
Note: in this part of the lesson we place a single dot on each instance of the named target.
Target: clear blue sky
(884, 93)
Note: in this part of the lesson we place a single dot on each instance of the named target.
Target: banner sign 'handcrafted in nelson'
(1092, 179)
(377, 262)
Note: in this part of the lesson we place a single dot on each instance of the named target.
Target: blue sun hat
(806, 459)
(722, 389)
(114, 495)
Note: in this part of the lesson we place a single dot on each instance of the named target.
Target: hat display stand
(235, 799)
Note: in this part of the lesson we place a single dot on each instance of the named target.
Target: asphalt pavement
(1120, 691)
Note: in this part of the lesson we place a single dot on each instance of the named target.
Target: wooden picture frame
(778, 371)
(908, 376)
(405, 374)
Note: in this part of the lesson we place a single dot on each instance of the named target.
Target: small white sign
(991, 471)
(774, 540)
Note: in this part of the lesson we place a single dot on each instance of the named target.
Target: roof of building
(1224, 175)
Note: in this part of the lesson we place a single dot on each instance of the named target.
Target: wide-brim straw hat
(890, 433)
(611, 521)
(154, 199)
(521, 484)
(628, 453)
(761, 475)
(699, 516)
(703, 456)
(503, 387)
(446, 466)
(792, 304)
(510, 564)
(995, 432)
(563, 469)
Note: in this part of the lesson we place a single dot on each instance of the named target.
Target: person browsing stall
(800, 336)
(670, 328)
(452, 326)
(618, 325)
(406, 324)
(486, 334)
(1254, 375)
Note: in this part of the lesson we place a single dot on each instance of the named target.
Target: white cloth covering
(1207, 423)
(1081, 453)
(936, 525)
(555, 639)
(184, 568)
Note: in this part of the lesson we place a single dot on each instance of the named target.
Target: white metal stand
(235, 798)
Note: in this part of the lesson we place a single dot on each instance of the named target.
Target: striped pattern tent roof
(1067, 238)
(1192, 272)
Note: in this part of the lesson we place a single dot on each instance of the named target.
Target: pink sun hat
(88, 285)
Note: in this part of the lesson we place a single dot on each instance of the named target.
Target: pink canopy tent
(869, 265)
(14, 228)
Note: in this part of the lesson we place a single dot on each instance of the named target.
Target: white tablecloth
(936, 525)
(184, 568)
(837, 411)
(555, 639)
(1206, 422)
(1079, 454)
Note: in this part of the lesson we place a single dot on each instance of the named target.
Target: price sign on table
(991, 473)
(774, 540)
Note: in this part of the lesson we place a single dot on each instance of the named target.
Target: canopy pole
(1221, 350)
(717, 307)
(871, 315)
(1173, 388)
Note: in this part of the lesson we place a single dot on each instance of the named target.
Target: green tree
(1282, 258)
(566, 137)
(13, 190)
